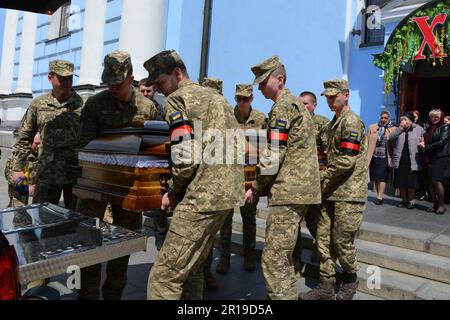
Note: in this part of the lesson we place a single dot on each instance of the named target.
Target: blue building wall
(310, 45)
(365, 80)
(184, 32)
(243, 33)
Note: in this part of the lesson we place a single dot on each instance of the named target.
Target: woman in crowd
(447, 120)
(405, 159)
(417, 120)
(436, 146)
(380, 153)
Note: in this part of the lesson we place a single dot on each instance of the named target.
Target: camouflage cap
(333, 87)
(244, 90)
(117, 66)
(62, 68)
(214, 83)
(263, 70)
(161, 62)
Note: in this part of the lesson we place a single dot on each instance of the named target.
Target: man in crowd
(344, 194)
(248, 118)
(119, 106)
(160, 221)
(56, 116)
(202, 193)
(149, 92)
(309, 99)
(211, 282)
(289, 167)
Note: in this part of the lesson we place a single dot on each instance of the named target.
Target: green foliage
(407, 40)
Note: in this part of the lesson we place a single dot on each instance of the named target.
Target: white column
(9, 45)
(348, 26)
(26, 58)
(143, 31)
(93, 39)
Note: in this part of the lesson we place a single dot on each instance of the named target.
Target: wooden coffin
(130, 167)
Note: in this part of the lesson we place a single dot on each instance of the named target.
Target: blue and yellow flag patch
(175, 117)
(281, 124)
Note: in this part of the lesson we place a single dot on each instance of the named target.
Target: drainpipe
(207, 16)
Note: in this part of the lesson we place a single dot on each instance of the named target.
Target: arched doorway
(424, 87)
(416, 60)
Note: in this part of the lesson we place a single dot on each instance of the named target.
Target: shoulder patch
(354, 135)
(281, 124)
(176, 117)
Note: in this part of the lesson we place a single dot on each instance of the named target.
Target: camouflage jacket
(161, 115)
(345, 178)
(102, 112)
(58, 124)
(294, 178)
(256, 119)
(204, 186)
(321, 124)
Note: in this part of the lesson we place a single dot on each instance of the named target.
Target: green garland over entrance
(407, 40)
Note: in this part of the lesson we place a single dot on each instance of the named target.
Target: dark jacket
(440, 146)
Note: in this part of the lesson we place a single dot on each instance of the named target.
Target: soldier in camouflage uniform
(309, 99)
(56, 115)
(248, 118)
(149, 92)
(17, 196)
(290, 169)
(119, 106)
(344, 192)
(202, 193)
(213, 83)
(211, 282)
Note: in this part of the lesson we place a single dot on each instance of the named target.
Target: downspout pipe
(207, 17)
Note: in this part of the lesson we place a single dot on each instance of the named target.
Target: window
(65, 16)
(59, 22)
(373, 30)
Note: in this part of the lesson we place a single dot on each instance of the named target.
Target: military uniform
(101, 112)
(312, 215)
(58, 124)
(255, 120)
(207, 191)
(211, 282)
(294, 183)
(213, 83)
(344, 192)
(17, 198)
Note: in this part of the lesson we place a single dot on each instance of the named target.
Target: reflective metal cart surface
(49, 239)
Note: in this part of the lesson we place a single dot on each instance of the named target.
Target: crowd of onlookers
(414, 157)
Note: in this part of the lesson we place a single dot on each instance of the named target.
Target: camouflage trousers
(178, 270)
(16, 203)
(311, 219)
(52, 194)
(248, 213)
(336, 229)
(116, 270)
(278, 254)
(16, 200)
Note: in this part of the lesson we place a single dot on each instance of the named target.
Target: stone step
(408, 238)
(393, 285)
(403, 260)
